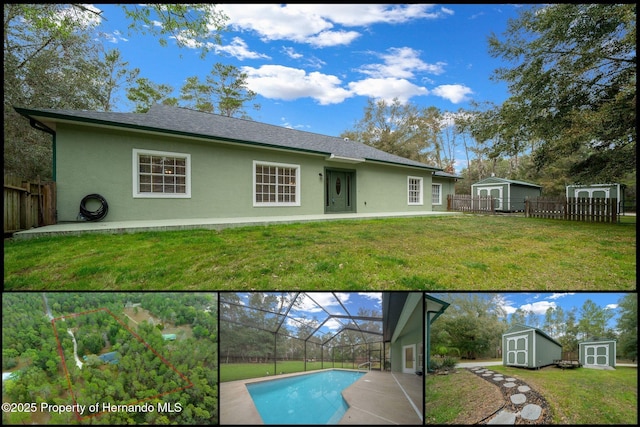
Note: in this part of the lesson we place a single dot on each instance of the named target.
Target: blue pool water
(304, 399)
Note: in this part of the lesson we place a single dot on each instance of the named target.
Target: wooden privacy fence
(28, 204)
(469, 203)
(573, 208)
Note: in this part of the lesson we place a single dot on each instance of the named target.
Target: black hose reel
(98, 214)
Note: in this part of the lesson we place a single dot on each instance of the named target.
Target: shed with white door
(598, 191)
(528, 347)
(597, 353)
(509, 195)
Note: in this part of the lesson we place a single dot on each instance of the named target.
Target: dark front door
(339, 191)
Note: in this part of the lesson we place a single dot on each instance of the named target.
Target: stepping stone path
(522, 404)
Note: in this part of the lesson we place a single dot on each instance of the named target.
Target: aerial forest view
(109, 358)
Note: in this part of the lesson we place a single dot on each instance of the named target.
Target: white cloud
(539, 307)
(333, 38)
(291, 53)
(279, 82)
(401, 62)
(454, 93)
(611, 306)
(387, 89)
(314, 23)
(560, 295)
(375, 296)
(240, 50)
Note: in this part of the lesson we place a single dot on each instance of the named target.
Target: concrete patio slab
(116, 227)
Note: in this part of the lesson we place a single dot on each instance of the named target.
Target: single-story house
(509, 195)
(598, 191)
(433, 309)
(598, 353)
(402, 329)
(112, 357)
(529, 347)
(177, 163)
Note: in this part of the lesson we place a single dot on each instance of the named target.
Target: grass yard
(465, 252)
(576, 396)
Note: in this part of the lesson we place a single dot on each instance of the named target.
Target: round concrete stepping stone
(498, 378)
(531, 412)
(511, 379)
(524, 388)
(486, 375)
(518, 399)
(509, 385)
(504, 417)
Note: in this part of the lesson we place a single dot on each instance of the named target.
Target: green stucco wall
(90, 161)
(448, 187)
(411, 333)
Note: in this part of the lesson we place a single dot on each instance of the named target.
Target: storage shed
(598, 191)
(599, 353)
(509, 195)
(528, 347)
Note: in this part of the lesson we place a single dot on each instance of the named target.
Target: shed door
(495, 192)
(518, 350)
(596, 354)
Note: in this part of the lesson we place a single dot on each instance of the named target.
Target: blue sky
(314, 66)
(319, 306)
(539, 302)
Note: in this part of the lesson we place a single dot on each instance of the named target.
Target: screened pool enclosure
(266, 333)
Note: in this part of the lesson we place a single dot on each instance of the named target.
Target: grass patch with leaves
(583, 395)
(460, 398)
(448, 252)
(575, 396)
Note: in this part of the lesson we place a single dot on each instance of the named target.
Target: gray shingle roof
(184, 121)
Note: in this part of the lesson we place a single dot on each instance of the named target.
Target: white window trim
(257, 204)
(136, 175)
(439, 201)
(421, 201)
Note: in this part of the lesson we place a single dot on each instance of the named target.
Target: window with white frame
(415, 190)
(276, 184)
(161, 174)
(436, 194)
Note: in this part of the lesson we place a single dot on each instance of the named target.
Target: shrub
(449, 362)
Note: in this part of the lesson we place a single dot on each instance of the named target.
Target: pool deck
(376, 398)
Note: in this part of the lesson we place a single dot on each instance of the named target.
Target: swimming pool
(304, 399)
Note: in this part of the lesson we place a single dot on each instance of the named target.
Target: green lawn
(575, 396)
(434, 253)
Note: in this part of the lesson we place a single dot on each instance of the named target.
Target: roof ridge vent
(346, 139)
